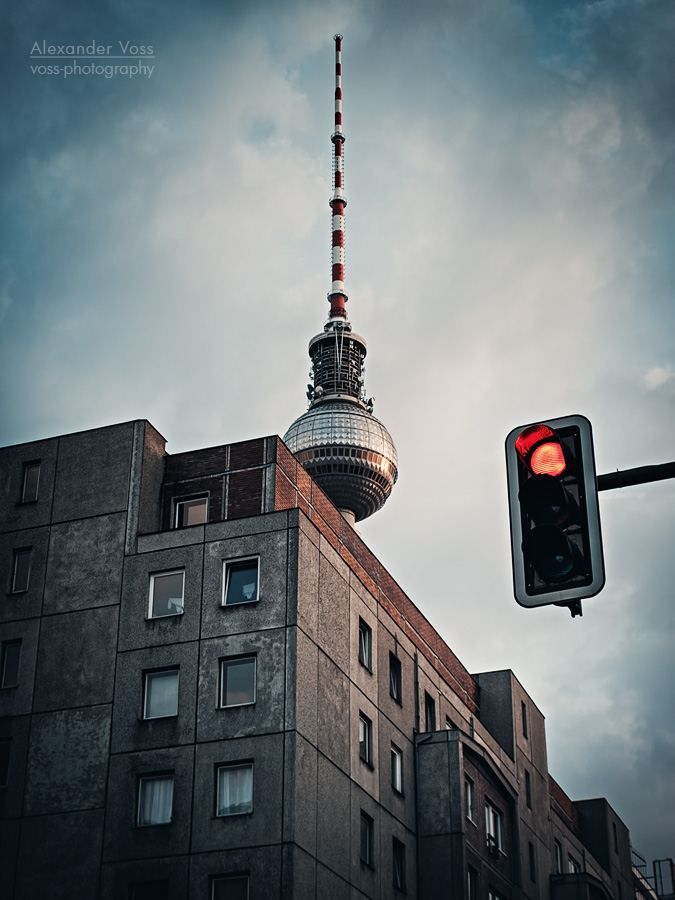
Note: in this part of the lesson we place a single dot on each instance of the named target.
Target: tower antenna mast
(337, 296)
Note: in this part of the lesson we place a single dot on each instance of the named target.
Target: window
(558, 857)
(523, 716)
(367, 839)
(528, 789)
(21, 570)
(191, 511)
(395, 686)
(493, 895)
(155, 799)
(398, 858)
(471, 884)
(149, 890)
(234, 792)
(4, 763)
(230, 887)
(494, 827)
(365, 739)
(160, 697)
(397, 769)
(240, 581)
(11, 653)
(237, 681)
(533, 865)
(166, 593)
(470, 797)
(573, 866)
(429, 713)
(365, 645)
(449, 724)
(31, 481)
(616, 837)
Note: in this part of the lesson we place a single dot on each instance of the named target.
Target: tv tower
(347, 451)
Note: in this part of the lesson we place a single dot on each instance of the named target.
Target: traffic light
(555, 521)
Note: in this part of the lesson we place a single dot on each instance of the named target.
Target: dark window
(472, 884)
(395, 688)
(523, 716)
(558, 857)
(155, 799)
(191, 511)
(149, 890)
(398, 857)
(365, 645)
(4, 763)
(528, 790)
(240, 581)
(533, 865)
(616, 837)
(429, 713)
(238, 681)
(160, 696)
(449, 724)
(11, 653)
(31, 482)
(166, 594)
(367, 839)
(365, 739)
(229, 887)
(21, 570)
(234, 790)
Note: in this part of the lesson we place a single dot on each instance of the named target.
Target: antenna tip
(337, 37)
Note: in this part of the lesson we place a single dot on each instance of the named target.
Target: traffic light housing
(556, 543)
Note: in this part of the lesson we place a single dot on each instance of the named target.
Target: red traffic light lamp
(555, 522)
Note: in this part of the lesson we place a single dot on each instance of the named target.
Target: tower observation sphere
(347, 451)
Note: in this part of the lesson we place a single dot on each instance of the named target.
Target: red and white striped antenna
(337, 296)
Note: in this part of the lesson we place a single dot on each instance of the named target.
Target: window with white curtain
(234, 793)
(155, 799)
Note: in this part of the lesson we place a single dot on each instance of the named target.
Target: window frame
(470, 799)
(234, 764)
(228, 565)
(471, 883)
(397, 769)
(523, 718)
(366, 743)
(151, 593)
(147, 677)
(365, 645)
(180, 502)
(230, 877)
(6, 645)
(532, 862)
(367, 847)
(429, 712)
(528, 789)
(17, 554)
(399, 877)
(222, 663)
(558, 856)
(27, 466)
(395, 679)
(146, 779)
(494, 825)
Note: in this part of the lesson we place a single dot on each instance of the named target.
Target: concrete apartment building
(211, 689)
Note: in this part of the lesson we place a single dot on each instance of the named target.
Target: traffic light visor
(540, 449)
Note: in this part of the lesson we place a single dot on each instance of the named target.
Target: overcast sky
(509, 168)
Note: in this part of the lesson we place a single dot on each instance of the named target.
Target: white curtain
(235, 790)
(156, 800)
